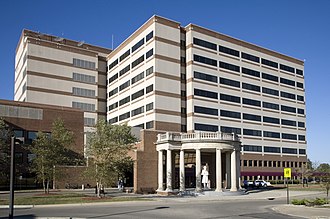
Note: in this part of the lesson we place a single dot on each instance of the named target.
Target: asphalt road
(189, 207)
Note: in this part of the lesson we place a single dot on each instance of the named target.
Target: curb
(16, 206)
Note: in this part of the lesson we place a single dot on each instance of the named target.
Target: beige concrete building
(169, 78)
(62, 72)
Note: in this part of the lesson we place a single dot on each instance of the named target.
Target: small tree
(5, 134)
(50, 151)
(108, 148)
(324, 171)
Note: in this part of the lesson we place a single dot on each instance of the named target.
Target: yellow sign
(287, 172)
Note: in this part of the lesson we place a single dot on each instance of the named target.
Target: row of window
(83, 64)
(269, 163)
(83, 106)
(83, 78)
(246, 101)
(249, 132)
(133, 49)
(83, 92)
(270, 149)
(129, 98)
(132, 113)
(250, 57)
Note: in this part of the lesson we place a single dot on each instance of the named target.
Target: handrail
(168, 136)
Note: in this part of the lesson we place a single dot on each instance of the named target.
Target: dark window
(269, 77)
(229, 82)
(149, 71)
(230, 98)
(123, 56)
(205, 44)
(113, 92)
(286, 68)
(205, 60)
(287, 81)
(150, 125)
(250, 57)
(270, 105)
(300, 98)
(288, 109)
(183, 44)
(204, 93)
(124, 85)
(138, 94)
(270, 91)
(251, 117)
(150, 88)
(229, 51)
(204, 127)
(301, 111)
(113, 120)
(124, 100)
(140, 126)
(288, 122)
(301, 124)
(251, 132)
(299, 72)
(288, 95)
(114, 77)
(138, 61)
(269, 149)
(231, 114)
(289, 151)
(113, 64)
(137, 78)
(124, 70)
(137, 45)
(149, 53)
(149, 36)
(113, 106)
(302, 151)
(301, 137)
(252, 148)
(289, 136)
(229, 66)
(137, 111)
(271, 120)
(183, 60)
(205, 77)
(124, 116)
(251, 87)
(251, 102)
(251, 72)
(149, 106)
(269, 63)
(206, 110)
(272, 134)
(230, 130)
(300, 85)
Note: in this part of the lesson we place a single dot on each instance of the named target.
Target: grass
(69, 198)
(299, 187)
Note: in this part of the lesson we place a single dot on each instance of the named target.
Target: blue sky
(296, 28)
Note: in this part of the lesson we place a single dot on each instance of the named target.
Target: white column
(218, 170)
(160, 170)
(182, 173)
(198, 170)
(169, 170)
(233, 171)
(228, 179)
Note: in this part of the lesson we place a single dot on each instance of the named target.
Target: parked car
(261, 183)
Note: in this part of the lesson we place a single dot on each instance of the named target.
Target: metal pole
(287, 190)
(12, 173)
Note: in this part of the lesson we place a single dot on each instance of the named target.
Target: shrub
(299, 201)
(317, 201)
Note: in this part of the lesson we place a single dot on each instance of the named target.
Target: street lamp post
(12, 173)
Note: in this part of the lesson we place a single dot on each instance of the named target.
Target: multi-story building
(62, 72)
(165, 77)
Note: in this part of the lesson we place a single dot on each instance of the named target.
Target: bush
(317, 201)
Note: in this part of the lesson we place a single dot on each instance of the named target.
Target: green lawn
(70, 198)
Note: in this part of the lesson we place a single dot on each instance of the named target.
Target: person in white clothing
(205, 177)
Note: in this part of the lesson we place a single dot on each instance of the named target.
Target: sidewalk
(303, 211)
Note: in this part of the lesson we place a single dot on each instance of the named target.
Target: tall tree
(50, 151)
(108, 148)
(324, 171)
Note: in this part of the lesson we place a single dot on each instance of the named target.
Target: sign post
(287, 175)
